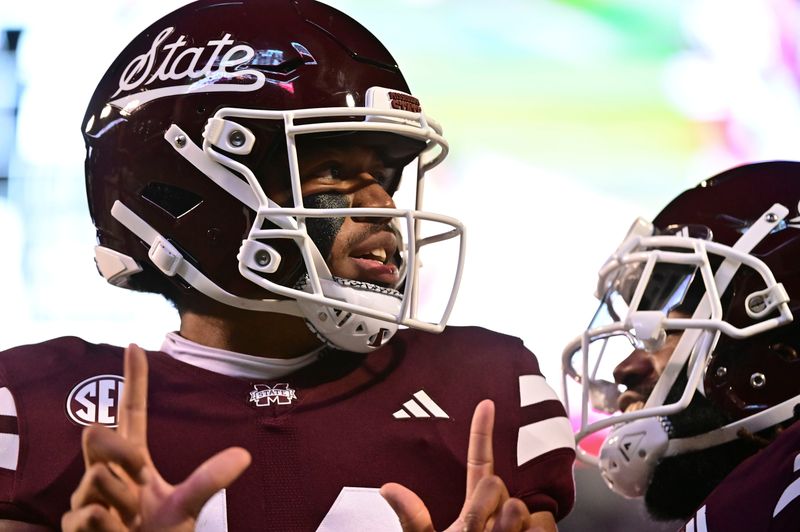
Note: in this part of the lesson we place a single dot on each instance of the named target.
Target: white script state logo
(265, 395)
(164, 62)
(96, 400)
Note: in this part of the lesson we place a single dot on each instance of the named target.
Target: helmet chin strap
(755, 423)
(171, 263)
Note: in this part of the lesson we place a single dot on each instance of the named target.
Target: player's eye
(330, 173)
(379, 175)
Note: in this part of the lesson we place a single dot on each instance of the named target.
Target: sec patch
(96, 400)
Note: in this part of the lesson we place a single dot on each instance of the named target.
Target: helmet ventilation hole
(173, 200)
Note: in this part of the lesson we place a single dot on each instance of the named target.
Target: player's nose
(635, 370)
(372, 195)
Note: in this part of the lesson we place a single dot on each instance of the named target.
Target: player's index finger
(133, 405)
(480, 458)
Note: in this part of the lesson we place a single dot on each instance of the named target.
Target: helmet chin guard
(630, 453)
(345, 330)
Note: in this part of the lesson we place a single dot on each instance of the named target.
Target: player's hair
(153, 281)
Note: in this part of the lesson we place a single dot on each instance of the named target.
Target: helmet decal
(220, 72)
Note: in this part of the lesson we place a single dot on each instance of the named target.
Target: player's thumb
(410, 509)
(214, 474)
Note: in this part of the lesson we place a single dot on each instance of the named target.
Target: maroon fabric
(8, 424)
(749, 496)
(340, 430)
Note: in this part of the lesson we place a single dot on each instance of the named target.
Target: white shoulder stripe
(547, 435)
(9, 443)
(9, 451)
(7, 407)
(534, 389)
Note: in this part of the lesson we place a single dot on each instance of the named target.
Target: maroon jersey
(762, 493)
(322, 438)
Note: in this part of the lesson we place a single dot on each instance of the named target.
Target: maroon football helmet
(719, 263)
(199, 122)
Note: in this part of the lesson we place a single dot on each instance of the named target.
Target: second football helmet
(718, 266)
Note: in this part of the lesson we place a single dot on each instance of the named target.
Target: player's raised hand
(487, 505)
(122, 489)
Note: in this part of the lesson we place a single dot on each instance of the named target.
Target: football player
(708, 295)
(243, 159)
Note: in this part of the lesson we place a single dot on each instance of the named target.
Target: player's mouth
(630, 401)
(375, 259)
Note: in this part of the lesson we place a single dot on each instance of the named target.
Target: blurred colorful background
(566, 118)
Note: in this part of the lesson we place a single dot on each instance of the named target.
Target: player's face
(679, 483)
(339, 175)
(641, 370)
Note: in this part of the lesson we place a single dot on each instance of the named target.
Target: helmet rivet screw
(236, 138)
(262, 258)
(757, 304)
(322, 316)
(180, 141)
(771, 217)
(722, 371)
(758, 380)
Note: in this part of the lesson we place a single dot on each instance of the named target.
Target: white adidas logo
(414, 408)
